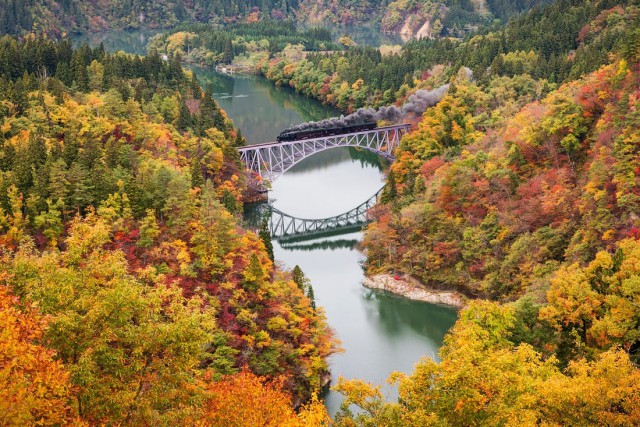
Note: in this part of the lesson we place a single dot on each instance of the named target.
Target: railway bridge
(273, 159)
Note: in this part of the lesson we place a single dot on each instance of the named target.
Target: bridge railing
(273, 159)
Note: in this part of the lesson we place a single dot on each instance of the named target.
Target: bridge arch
(273, 159)
(284, 227)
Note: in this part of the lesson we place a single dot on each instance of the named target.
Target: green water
(380, 333)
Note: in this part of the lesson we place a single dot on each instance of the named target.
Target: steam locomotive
(296, 135)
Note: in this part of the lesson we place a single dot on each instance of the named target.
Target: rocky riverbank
(236, 69)
(412, 289)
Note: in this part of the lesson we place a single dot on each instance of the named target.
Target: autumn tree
(597, 307)
(149, 229)
(35, 388)
(117, 336)
(484, 379)
(299, 278)
(245, 399)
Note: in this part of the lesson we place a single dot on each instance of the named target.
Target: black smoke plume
(416, 104)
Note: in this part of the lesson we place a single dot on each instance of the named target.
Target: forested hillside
(414, 18)
(546, 46)
(239, 43)
(534, 205)
(420, 18)
(539, 170)
(64, 16)
(124, 269)
(495, 212)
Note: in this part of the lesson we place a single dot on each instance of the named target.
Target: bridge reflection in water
(325, 244)
(290, 230)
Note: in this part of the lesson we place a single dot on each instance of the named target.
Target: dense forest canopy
(208, 45)
(18, 17)
(132, 295)
(552, 44)
(121, 190)
(553, 152)
(443, 17)
(519, 191)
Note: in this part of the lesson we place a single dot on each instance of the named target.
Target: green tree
(184, 118)
(265, 236)
(149, 229)
(197, 179)
(297, 275)
(253, 274)
(80, 73)
(50, 221)
(311, 295)
(390, 192)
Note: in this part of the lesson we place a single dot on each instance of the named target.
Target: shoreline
(233, 68)
(411, 289)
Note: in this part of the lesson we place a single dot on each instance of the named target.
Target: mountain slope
(414, 18)
(421, 18)
(494, 207)
(121, 192)
(60, 16)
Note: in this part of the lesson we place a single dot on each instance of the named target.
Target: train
(296, 135)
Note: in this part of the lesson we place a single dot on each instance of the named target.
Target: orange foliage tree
(34, 388)
(245, 399)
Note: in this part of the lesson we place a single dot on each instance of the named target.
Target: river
(380, 333)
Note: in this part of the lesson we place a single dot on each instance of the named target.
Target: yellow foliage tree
(34, 388)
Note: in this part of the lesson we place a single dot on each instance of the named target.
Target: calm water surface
(380, 333)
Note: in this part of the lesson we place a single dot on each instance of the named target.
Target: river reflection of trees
(260, 109)
(114, 41)
(393, 313)
(218, 84)
(331, 245)
(325, 159)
